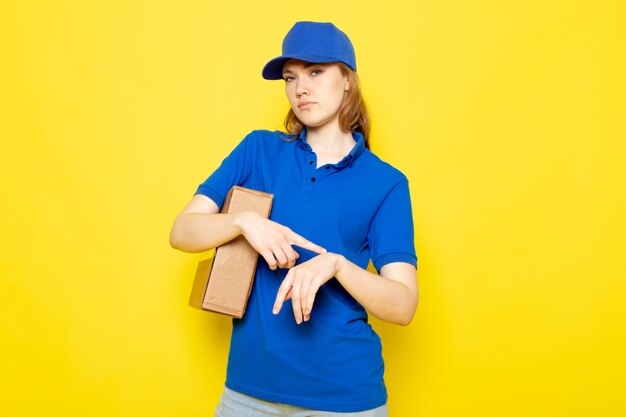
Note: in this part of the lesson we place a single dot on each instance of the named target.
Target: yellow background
(507, 117)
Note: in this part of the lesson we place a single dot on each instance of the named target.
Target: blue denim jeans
(235, 404)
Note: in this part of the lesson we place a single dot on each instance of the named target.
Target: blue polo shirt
(359, 207)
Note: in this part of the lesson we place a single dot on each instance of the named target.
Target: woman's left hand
(303, 281)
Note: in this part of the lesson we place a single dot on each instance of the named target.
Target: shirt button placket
(310, 179)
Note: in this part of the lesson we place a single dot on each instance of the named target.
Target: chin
(311, 121)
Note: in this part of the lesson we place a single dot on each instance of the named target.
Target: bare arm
(200, 227)
(391, 296)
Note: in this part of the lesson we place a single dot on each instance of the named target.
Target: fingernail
(275, 310)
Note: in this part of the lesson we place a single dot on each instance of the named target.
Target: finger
(311, 300)
(292, 256)
(288, 296)
(295, 299)
(289, 253)
(304, 291)
(296, 239)
(269, 258)
(283, 291)
(280, 256)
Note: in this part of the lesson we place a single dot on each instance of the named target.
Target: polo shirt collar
(349, 159)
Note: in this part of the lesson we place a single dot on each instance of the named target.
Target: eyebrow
(310, 64)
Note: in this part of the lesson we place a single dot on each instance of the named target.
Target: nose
(302, 86)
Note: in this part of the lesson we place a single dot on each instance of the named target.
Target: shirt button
(310, 162)
(327, 166)
(313, 179)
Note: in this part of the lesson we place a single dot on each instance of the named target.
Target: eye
(316, 72)
(287, 78)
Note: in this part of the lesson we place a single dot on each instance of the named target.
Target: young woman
(304, 346)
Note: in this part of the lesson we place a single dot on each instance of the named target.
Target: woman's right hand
(273, 241)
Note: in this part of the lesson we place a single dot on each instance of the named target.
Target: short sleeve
(234, 170)
(391, 233)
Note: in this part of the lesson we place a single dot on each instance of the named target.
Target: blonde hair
(353, 113)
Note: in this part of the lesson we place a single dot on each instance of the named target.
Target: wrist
(340, 263)
(241, 220)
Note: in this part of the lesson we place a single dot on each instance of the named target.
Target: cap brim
(273, 70)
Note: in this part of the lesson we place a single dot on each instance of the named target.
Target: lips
(305, 104)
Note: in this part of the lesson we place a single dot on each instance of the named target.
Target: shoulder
(265, 134)
(378, 168)
(268, 138)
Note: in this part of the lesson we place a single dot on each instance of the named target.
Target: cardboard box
(223, 283)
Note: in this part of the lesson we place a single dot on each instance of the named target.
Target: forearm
(198, 232)
(385, 298)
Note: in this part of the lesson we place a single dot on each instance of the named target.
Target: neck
(329, 139)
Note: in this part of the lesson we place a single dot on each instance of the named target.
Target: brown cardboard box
(223, 283)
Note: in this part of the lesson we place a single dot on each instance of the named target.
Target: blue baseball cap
(312, 42)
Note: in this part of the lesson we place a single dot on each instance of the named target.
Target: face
(315, 91)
